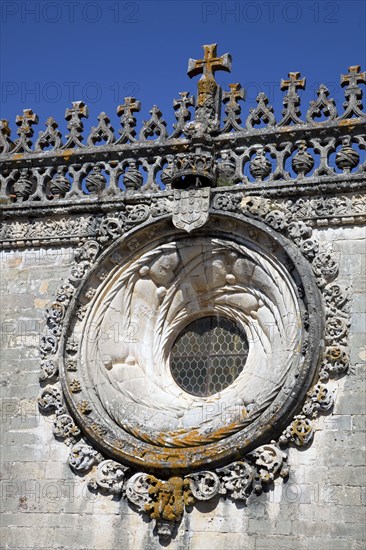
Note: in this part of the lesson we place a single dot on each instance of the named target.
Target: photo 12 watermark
(270, 12)
(70, 12)
(35, 93)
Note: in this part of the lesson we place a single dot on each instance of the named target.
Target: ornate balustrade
(324, 145)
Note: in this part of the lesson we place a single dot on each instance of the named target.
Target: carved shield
(190, 209)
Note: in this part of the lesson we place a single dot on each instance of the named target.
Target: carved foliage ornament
(216, 428)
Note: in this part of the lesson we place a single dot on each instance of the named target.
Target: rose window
(208, 356)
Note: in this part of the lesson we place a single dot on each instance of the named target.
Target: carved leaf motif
(110, 475)
(137, 490)
(48, 344)
(65, 428)
(325, 267)
(269, 461)
(204, 485)
(237, 479)
(111, 227)
(82, 457)
(51, 400)
(320, 398)
(65, 292)
(299, 432)
(49, 370)
(336, 361)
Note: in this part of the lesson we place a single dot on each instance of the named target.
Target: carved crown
(197, 169)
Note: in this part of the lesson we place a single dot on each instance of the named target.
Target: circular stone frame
(128, 448)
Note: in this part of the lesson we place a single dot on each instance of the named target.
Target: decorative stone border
(65, 228)
(165, 499)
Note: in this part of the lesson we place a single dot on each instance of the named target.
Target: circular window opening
(208, 355)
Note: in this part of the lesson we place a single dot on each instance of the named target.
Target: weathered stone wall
(45, 505)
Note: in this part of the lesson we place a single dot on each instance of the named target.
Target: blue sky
(54, 52)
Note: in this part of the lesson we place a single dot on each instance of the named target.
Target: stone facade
(253, 224)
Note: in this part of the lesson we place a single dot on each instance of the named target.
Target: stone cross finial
(25, 131)
(236, 92)
(232, 97)
(209, 93)
(74, 115)
(131, 105)
(293, 83)
(128, 121)
(182, 113)
(209, 64)
(77, 111)
(26, 120)
(353, 93)
(291, 101)
(232, 109)
(354, 77)
(181, 105)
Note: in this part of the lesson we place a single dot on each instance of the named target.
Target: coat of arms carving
(191, 206)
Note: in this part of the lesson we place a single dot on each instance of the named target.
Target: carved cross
(353, 93)
(77, 111)
(291, 101)
(25, 121)
(74, 115)
(232, 109)
(232, 97)
(182, 113)
(354, 77)
(131, 105)
(293, 83)
(25, 131)
(181, 105)
(128, 121)
(209, 64)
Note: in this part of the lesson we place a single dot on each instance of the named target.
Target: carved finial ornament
(209, 64)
